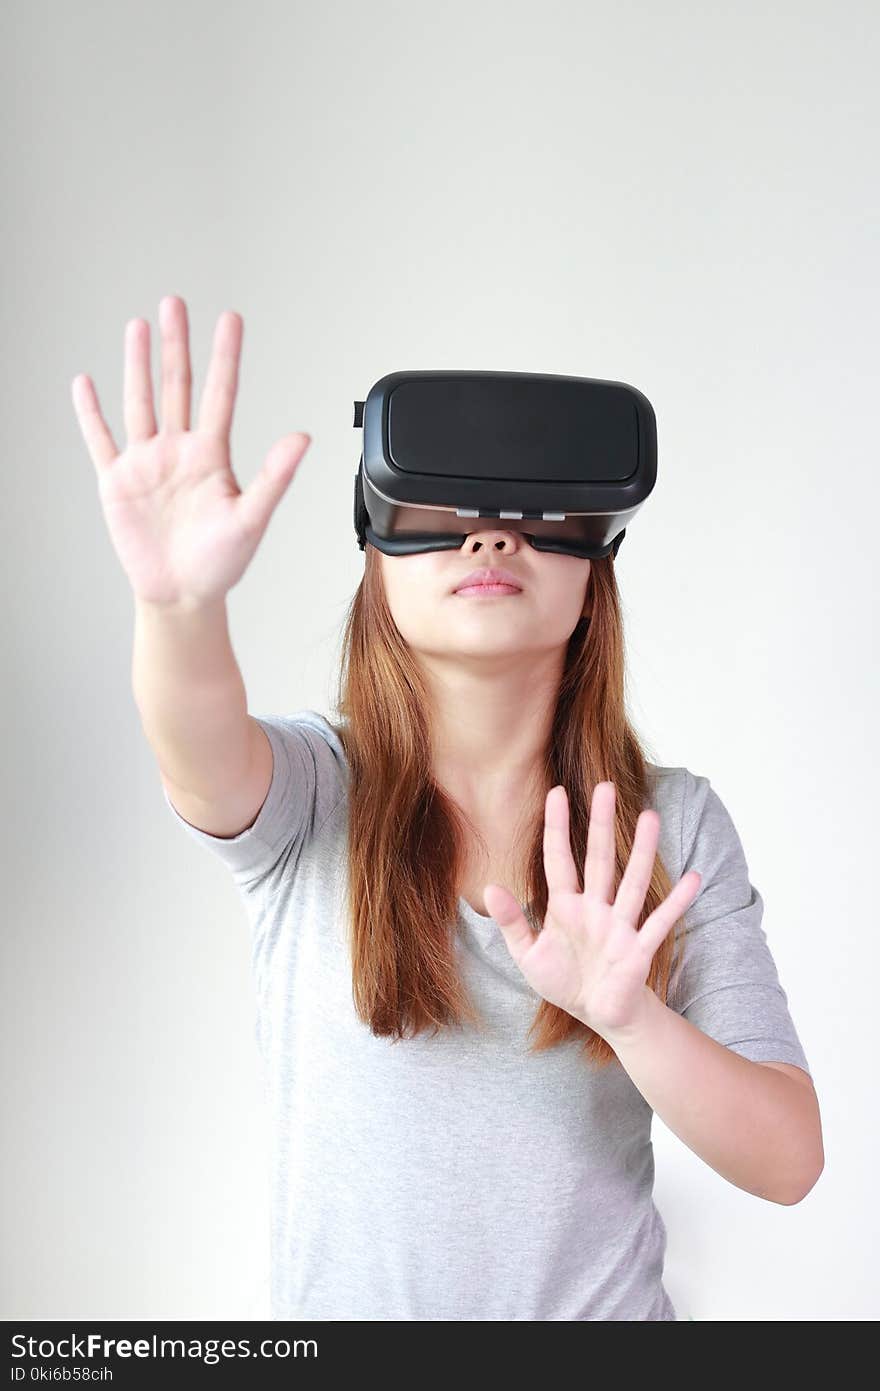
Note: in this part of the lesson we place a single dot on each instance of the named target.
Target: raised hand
(183, 529)
(589, 958)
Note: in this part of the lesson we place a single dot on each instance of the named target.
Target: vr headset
(567, 461)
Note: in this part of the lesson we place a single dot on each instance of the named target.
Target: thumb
(515, 926)
(258, 502)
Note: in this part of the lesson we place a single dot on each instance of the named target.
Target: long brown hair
(407, 838)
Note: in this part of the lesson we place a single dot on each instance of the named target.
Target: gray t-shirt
(460, 1177)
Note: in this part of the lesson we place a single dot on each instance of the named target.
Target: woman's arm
(753, 1124)
(750, 1122)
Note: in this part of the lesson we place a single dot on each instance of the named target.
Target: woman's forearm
(755, 1126)
(190, 694)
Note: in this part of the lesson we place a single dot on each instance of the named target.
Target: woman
(489, 937)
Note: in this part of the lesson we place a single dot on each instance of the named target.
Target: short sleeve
(308, 780)
(727, 982)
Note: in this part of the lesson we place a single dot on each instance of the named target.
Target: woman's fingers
(600, 859)
(176, 368)
(636, 878)
(559, 867)
(516, 929)
(221, 382)
(99, 441)
(137, 385)
(657, 924)
(257, 503)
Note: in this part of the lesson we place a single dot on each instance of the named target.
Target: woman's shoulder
(308, 734)
(676, 792)
(692, 808)
(675, 781)
(666, 780)
(309, 719)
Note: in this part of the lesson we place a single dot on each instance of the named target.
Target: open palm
(589, 958)
(182, 528)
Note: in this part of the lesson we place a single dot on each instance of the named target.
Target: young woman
(489, 937)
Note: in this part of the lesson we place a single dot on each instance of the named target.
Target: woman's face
(433, 618)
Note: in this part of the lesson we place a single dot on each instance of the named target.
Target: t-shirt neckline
(471, 912)
(478, 919)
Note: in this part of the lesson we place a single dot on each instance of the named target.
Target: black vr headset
(567, 461)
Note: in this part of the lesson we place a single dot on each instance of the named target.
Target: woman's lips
(493, 575)
(489, 589)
